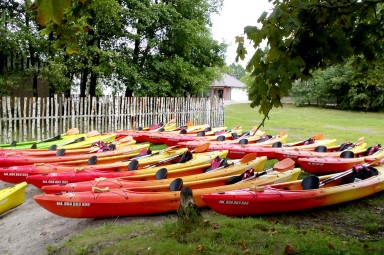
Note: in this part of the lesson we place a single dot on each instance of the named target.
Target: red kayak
(266, 148)
(18, 159)
(330, 165)
(296, 196)
(197, 164)
(343, 150)
(17, 174)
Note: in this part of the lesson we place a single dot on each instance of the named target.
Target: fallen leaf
(242, 245)
(200, 247)
(289, 250)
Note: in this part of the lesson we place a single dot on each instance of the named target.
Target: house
(229, 88)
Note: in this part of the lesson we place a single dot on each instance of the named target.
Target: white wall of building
(239, 94)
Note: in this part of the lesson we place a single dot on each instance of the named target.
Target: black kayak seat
(220, 138)
(183, 131)
(161, 130)
(13, 143)
(347, 154)
(233, 179)
(208, 129)
(52, 147)
(92, 160)
(200, 133)
(186, 157)
(139, 129)
(321, 148)
(243, 141)
(176, 184)
(161, 173)
(234, 135)
(133, 165)
(34, 146)
(60, 152)
(277, 144)
(310, 182)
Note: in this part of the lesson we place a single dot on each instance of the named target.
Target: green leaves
(303, 36)
(48, 10)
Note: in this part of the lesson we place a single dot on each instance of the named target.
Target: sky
(234, 16)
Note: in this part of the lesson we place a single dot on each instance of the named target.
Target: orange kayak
(124, 202)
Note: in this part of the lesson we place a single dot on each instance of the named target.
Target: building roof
(228, 81)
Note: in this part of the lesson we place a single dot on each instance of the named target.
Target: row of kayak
(149, 182)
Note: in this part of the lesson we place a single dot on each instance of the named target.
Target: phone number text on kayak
(233, 202)
(72, 204)
(54, 182)
(15, 174)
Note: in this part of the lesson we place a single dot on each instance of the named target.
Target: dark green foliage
(345, 86)
(303, 36)
(149, 48)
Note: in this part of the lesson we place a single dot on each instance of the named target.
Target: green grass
(304, 122)
(352, 228)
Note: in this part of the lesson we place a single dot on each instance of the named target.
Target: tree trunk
(92, 84)
(188, 214)
(83, 84)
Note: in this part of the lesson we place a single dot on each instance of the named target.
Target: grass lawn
(351, 228)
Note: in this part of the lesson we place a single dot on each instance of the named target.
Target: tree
(22, 49)
(303, 36)
(161, 48)
(236, 70)
(344, 86)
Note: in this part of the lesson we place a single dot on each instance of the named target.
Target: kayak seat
(321, 148)
(139, 128)
(200, 133)
(310, 182)
(52, 147)
(60, 152)
(207, 129)
(277, 144)
(34, 146)
(161, 130)
(243, 141)
(220, 138)
(186, 157)
(133, 165)
(264, 138)
(176, 184)
(234, 136)
(183, 131)
(223, 163)
(161, 173)
(371, 150)
(92, 160)
(234, 179)
(13, 143)
(347, 154)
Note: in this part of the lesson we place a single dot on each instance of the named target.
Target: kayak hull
(12, 197)
(194, 166)
(123, 202)
(128, 182)
(287, 197)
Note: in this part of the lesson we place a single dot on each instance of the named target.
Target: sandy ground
(29, 229)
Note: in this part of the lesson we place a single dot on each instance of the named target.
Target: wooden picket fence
(23, 119)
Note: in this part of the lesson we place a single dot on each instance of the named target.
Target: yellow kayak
(12, 196)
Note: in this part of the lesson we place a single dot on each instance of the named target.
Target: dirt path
(29, 229)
